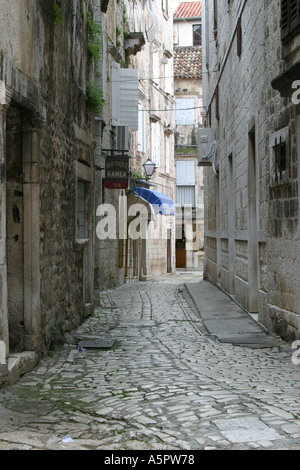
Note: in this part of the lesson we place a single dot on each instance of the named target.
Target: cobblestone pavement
(164, 385)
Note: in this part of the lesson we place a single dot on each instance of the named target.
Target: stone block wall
(244, 206)
(46, 146)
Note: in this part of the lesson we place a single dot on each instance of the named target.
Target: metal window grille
(239, 36)
(290, 19)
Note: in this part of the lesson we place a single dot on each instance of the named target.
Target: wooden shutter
(290, 19)
(294, 14)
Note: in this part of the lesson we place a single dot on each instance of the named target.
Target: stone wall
(46, 139)
(252, 230)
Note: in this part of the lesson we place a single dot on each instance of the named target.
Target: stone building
(46, 177)
(138, 122)
(85, 89)
(250, 70)
(189, 107)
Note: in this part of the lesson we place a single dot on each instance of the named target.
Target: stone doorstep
(19, 364)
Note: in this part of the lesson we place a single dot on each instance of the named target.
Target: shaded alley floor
(165, 384)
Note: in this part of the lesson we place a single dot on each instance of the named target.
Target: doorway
(252, 223)
(22, 149)
(169, 251)
(15, 230)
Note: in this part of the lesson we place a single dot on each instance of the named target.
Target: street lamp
(149, 167)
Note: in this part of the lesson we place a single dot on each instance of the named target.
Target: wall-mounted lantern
(149, 168)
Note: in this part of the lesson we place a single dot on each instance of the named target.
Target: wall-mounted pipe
(74, 31)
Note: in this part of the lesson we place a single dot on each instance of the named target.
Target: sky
(175, 3)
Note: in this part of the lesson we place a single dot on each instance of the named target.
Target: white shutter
(185, 173)
(169, 77)
(155, 143)
(141, 135)
(115, 94)
(185, 112)
(155, 67)
(167, 154)
(153, 148)
(158, 150)
(140, 139)
(129, 98)
(185, 195)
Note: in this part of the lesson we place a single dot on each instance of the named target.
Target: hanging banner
(116, 171)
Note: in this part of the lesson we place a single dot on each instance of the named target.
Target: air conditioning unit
(205, 147)
(123, 138)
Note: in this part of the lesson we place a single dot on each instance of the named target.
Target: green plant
(57, 14)
(95, 99)
(94, 31)
(137, 174)
(118, 34)
(127, 57)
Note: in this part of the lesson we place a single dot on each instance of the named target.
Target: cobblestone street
(164, 384)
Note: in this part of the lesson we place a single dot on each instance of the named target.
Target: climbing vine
(95, 99)
(94, 31)
(57, 14)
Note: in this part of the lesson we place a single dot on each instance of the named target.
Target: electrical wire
(173, 109)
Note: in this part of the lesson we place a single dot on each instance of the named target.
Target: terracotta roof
(188, 10)
(188, 62)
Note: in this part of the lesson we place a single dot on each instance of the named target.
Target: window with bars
(239, 36)
(217, 103)
(290, 19)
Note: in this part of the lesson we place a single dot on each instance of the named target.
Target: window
(215, 18)
(279, 172)
(185, 112)
(185, 182)
(155, 64)
(185, 196)
(239, 36)
(169, 76)
(167, 153)
(290, 19)
(197, 35)
(217, 103)
(124, 93)
(155, 142)
(165, 7)
(81, 210)
(141, 135)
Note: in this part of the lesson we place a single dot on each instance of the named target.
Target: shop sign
(116, 171)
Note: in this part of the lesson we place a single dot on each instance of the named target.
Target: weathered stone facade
(252, 206)
(46, 148)
(128, 46)
(156, 134)
(189, 104)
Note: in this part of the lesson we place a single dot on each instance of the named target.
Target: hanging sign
(116, 171)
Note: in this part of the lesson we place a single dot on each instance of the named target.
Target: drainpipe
(74, 32)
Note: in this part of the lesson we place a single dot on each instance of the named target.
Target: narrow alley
(158, 382)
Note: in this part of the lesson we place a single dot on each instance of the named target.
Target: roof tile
(188, 62)
(188, 10)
